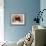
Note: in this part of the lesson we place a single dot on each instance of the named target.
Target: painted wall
(43, 6)
(28, 8)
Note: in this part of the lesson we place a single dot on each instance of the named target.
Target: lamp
(39, 16)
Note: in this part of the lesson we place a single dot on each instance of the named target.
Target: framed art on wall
(17, 19)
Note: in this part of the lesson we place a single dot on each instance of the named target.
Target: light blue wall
(43, 6)
(28, 8)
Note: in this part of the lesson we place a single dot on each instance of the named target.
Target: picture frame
(17, 19)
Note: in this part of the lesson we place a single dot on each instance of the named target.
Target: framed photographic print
(17, 19)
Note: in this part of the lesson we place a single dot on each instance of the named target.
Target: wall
(43, 6)
(1, 20)
(28, 8)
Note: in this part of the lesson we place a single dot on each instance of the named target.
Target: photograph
(17, 19)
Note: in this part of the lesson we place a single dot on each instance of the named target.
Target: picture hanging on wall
(17, 19)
